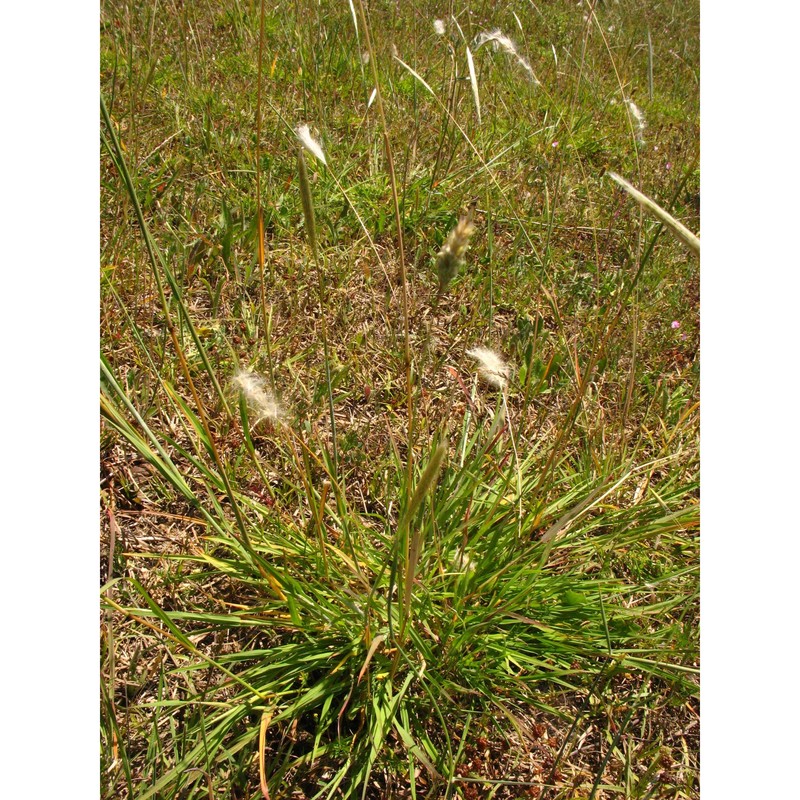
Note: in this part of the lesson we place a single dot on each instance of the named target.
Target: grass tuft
(341, 559)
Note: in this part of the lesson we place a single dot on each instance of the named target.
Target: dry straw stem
(311, 230)
(308, 205)
(680, 230)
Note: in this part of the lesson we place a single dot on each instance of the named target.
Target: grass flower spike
(678, 228)
(473, 79)
(641, 124)
(308, 141)
(259, 399)
(451, 256)
(491, 368)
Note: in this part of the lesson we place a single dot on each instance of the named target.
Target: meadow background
(337, 560)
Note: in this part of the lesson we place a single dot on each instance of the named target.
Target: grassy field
(400, 411)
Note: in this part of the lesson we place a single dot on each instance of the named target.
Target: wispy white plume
(502, 42)
(438, 26)
(473, 79)
(308, 141)
(355, 18)
(491, 367)
(259, 399)
(641, 123)
(372, 98)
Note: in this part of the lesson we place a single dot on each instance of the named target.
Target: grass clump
(347, 569)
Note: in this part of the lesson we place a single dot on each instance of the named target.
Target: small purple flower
(684, 336)
(675, 324)
(554, 144)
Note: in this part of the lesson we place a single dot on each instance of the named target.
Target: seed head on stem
(451, 256)
(491, 368)
(259, 399)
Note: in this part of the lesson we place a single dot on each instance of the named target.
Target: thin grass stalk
(490, 256)
(311, 231)
(631, 374)
(573, 103)
(399, 224)
(117, 739)
(345, 194)
(516, 461)
(609, 325)
(266, 319)
(266, 718)
(511, 210)
(551, 208)
(621, 86)
(156, 260)
(320, 523)
(248, 441)
(412, 546)
(611, 748)
(304, 474)
(240, 522)
(223, 472)
(107, 626)
(444, 125)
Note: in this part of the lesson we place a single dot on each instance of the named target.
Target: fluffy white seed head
(641, 123)
(308, 141)
(260, 400)
(491, 368)
(504, 43)
(438, 26)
